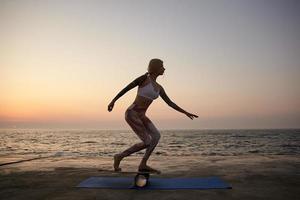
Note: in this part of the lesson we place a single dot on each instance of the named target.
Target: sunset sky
(234, 63)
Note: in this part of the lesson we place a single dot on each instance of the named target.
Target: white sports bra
(148, 91)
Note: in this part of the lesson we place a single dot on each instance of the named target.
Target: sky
(234, 63)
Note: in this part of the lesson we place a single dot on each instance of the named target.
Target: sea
(101, 143)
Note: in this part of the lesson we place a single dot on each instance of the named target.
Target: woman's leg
(137, 125)
(155, 135)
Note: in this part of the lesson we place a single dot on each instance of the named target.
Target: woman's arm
(131, 85)
(165, 97)
(124, 90)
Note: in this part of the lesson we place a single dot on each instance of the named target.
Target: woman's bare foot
(148, 169)
(117, 160)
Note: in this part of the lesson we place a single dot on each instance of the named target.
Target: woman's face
(161, 69)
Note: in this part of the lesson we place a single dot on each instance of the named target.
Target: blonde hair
(153, 65)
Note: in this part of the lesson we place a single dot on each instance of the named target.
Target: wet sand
(251, 177)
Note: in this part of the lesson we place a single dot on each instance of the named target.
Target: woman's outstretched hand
(111, 105)
(190, 115)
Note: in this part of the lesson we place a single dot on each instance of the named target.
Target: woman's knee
(148, 140)
(156, 136)
(154, 139)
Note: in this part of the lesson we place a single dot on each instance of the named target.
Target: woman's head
(156, 66)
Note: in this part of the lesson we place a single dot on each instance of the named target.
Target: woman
(148, 90)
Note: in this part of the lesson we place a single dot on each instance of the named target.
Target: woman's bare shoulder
(141, 79)
(160, 87)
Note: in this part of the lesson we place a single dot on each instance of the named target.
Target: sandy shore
(251, 177)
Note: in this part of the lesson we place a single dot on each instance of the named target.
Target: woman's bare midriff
(142, 102)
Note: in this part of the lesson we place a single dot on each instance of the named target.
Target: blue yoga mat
(155, 183)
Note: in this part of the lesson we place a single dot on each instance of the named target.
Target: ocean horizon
(177, 142)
